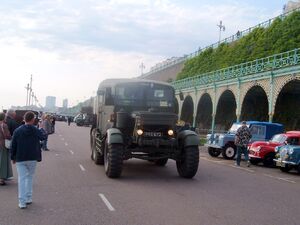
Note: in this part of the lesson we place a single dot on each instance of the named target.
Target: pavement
(70, 189)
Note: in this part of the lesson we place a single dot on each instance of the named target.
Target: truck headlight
(139, 132)
(170, 132)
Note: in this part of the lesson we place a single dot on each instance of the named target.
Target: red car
(264, 151)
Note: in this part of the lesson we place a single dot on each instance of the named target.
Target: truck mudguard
(114, 136)
(188, 138)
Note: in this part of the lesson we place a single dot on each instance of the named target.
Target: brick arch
(246, 88)
(279, 84)
(187, 114)
(222, 90)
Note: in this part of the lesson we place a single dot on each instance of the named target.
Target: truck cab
(136, 119)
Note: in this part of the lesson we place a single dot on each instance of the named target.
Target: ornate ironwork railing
(228, 40)
(271, 63)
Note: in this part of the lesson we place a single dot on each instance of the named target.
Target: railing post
(238, 105)
(271, 113)
(213, 114)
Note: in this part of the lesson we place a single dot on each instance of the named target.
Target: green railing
(227, 40)
(271, 63)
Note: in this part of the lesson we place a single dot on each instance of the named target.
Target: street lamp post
(142, 67)
(221, 28)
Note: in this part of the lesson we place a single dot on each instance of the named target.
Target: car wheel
(113, 160)
(268, 160)
(229, 152)
(254, 161)
(187, 165)
(285, 169)
(161, 162)
(213, 152)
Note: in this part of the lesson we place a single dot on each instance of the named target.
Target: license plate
(280, 164)
(153, 134)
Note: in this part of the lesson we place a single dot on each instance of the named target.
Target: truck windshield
(144, 95)
(279, 138)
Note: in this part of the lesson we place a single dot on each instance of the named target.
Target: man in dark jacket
(242, 138)
(25, 152)
(10, 121)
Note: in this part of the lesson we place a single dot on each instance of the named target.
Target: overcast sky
(70, 46)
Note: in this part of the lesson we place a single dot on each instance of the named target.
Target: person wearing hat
(242, 138)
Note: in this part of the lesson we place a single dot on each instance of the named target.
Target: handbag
(7, 142)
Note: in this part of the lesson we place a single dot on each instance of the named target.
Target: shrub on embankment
(282, 35)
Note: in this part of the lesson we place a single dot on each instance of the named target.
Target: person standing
(69, 120)
(46, 126)
(25, 153)
(11, 121)
(53, 119)
(5, 164)
(242, 138)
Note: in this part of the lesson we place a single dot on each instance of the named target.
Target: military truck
(136, 119)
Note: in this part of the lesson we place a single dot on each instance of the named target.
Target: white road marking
(280, 178)
(81, 167)
(56, 154)
(107, 203)
(242, 168)
(213, 161)
(71, 152)
(62, 139)
(60, 135)
(66, 144)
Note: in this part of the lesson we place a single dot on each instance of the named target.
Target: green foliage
(282, 35)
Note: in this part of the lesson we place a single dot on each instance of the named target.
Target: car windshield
(145, 95)
(279, 138)
(235, 127)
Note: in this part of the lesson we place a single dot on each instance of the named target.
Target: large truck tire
(187, 165)
(213, 152)
(113, 160)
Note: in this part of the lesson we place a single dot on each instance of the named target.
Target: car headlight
(170, 132)
(277, 149)
(258, 148)
(291, 151)
(139, 132)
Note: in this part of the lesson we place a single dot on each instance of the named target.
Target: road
(70, 189)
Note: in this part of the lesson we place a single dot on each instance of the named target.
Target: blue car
(224, 143)
(288, 157)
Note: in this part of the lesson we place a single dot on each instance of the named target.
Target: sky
(70, 46)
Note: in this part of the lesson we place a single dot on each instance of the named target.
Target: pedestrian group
(21, 144)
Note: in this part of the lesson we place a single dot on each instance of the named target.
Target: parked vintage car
(224, 143)
(288, 157)
(264, 151)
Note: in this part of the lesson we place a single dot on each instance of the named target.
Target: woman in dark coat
(5, 164)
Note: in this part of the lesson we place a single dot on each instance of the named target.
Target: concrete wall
(165, 74)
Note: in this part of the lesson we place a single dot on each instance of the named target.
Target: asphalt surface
(70, 189)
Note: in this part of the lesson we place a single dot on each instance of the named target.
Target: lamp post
(27, 92)
(142, 67)
(221, 28)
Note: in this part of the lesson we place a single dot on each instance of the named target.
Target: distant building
(291, 5)
(50, 102)
(65, 103)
